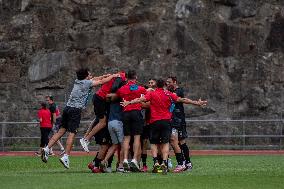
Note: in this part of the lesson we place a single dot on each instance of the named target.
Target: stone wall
(227, 51)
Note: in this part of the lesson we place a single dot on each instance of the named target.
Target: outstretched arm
(135, 101)
(104, 80)
(101, 77)
(194, 102)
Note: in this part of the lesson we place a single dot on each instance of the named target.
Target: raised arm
(101, 77)
(104, 80)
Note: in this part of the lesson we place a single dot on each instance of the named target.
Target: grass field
(217, 172)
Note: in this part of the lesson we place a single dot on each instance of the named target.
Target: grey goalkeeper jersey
(80, 92)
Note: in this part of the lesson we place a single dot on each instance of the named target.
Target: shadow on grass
(48, 172)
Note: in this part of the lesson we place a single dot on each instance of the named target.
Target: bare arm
(194, 102)
(112, 96)
(104, 80)
(101, 77)
(135, 101)
(145, 105)
(53, 118)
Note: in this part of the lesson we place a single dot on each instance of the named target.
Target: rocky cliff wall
(227, 51)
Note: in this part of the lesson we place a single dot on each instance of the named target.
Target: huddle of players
(120, 102)
(119, 123)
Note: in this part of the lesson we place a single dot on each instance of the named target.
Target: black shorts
(103, 137)
(146, 132)
(182, 133)
(99, 106)
(71, 118)
(160, 132)
(132, 123)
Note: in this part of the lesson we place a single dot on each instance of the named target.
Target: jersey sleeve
(174, 96)
(118, 82)
(118, 92)
(52, 108)
(143, 90)
(89, 83)
(180, 92)
(148, 96)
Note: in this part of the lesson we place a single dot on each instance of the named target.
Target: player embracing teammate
(162, 104)
(126, 125)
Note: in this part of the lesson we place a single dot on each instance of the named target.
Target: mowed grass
(217, 172)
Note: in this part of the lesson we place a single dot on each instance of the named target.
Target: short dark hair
(43, 105)
(160, 83)
(154, 79)
(174, 78)
(50, 97)
(131, 74)
(82, 73)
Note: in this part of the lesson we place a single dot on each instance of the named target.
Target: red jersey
(160, 102)
(45, 115)
(129, 92)
(106, 88)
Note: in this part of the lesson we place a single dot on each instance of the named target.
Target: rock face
(230, 52)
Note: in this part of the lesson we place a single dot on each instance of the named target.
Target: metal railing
(203, 134)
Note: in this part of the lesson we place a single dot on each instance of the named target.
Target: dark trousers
(44, 136)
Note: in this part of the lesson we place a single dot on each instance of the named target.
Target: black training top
(179, 109)
(52, 109)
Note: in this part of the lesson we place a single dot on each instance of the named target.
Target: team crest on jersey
(133, 87)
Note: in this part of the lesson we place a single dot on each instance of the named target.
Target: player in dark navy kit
(178, 122)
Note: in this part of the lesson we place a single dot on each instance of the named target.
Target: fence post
(2, 138)
(243, 135)
(281, 135)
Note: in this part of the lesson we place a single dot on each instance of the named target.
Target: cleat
(164, 169)
(179, 168)
(84, 143)
(91, 165)
(120, 170)
(144, 169)
(126, 165)
(134, 165)
(189, 166)
(96, 170)
(44, 154)
(156, 168)
(103, 166)
(65, 161)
